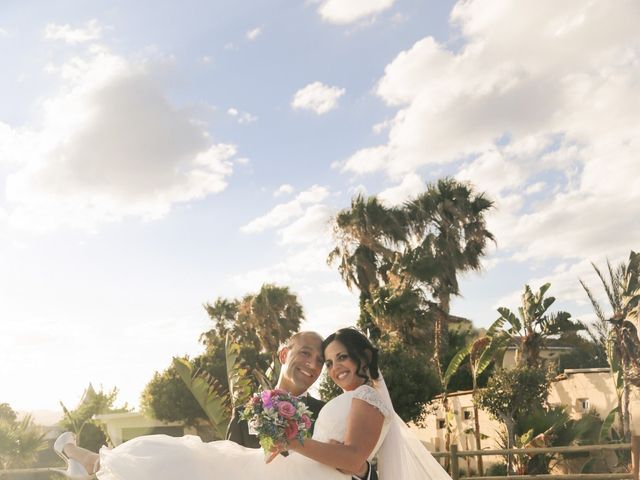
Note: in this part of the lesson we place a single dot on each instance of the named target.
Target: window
(467, 414)
(440, 423)
(583, 405)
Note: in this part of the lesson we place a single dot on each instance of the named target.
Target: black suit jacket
(238, 430)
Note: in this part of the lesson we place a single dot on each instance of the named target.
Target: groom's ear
(282, 355)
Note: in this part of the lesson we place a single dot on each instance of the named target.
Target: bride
(357, 425)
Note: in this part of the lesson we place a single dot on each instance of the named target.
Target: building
(125, 426)
(580, 390)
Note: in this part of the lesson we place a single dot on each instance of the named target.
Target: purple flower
(266, 399)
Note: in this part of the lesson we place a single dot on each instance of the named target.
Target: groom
(302, 360)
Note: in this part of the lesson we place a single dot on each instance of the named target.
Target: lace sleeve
(372, 397)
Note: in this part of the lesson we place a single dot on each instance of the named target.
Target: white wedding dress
(161, 457)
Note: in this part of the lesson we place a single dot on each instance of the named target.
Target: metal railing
(454, 456)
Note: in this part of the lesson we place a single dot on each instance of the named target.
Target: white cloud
(108, 145)
(68, 34)
(284, 212)
(284, 189)
(358, 189)
(505, 81)
(565, 284)
(296, 269)
(254, 33)
(367, 160)
(535, 188)
(380, 127)
(399, 18)
(539, 93)
(317, 97)
(241, 117)
(3, 32)
(411, 186)
(314, 224)
(494, 172)
(344, 12)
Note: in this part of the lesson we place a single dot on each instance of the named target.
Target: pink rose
(307, 422)
(286, 410)
(291, 430)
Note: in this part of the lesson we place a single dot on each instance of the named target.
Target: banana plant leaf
(214, 400)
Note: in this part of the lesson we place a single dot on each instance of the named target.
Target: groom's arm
(366, 472)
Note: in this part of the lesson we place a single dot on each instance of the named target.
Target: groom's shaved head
(300, 337)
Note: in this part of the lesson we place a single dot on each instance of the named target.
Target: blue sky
(156, 156)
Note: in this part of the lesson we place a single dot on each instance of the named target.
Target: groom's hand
(362, 471)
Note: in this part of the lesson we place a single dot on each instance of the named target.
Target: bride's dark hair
(359, 348)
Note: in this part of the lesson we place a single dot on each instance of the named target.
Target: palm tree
(274, 314)
(622, 288)
(401, 309)
(447, 236)
(223, 312)
(20, 440)
(532, 329)
(231, 317)
(365, 235)
(261, 320)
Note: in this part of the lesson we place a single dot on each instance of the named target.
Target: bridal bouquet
(277, 417)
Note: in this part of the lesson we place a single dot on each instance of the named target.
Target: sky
(156, 155)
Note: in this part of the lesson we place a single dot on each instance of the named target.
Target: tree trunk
(441, 333)
(626, 423)
(511, 441)
(478, 439)
(447, 435)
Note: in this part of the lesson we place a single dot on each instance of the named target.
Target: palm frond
(608, 288)
(596, 305)
(511, 318)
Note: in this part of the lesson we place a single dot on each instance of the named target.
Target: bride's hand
(276, 450)
(270, 457)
